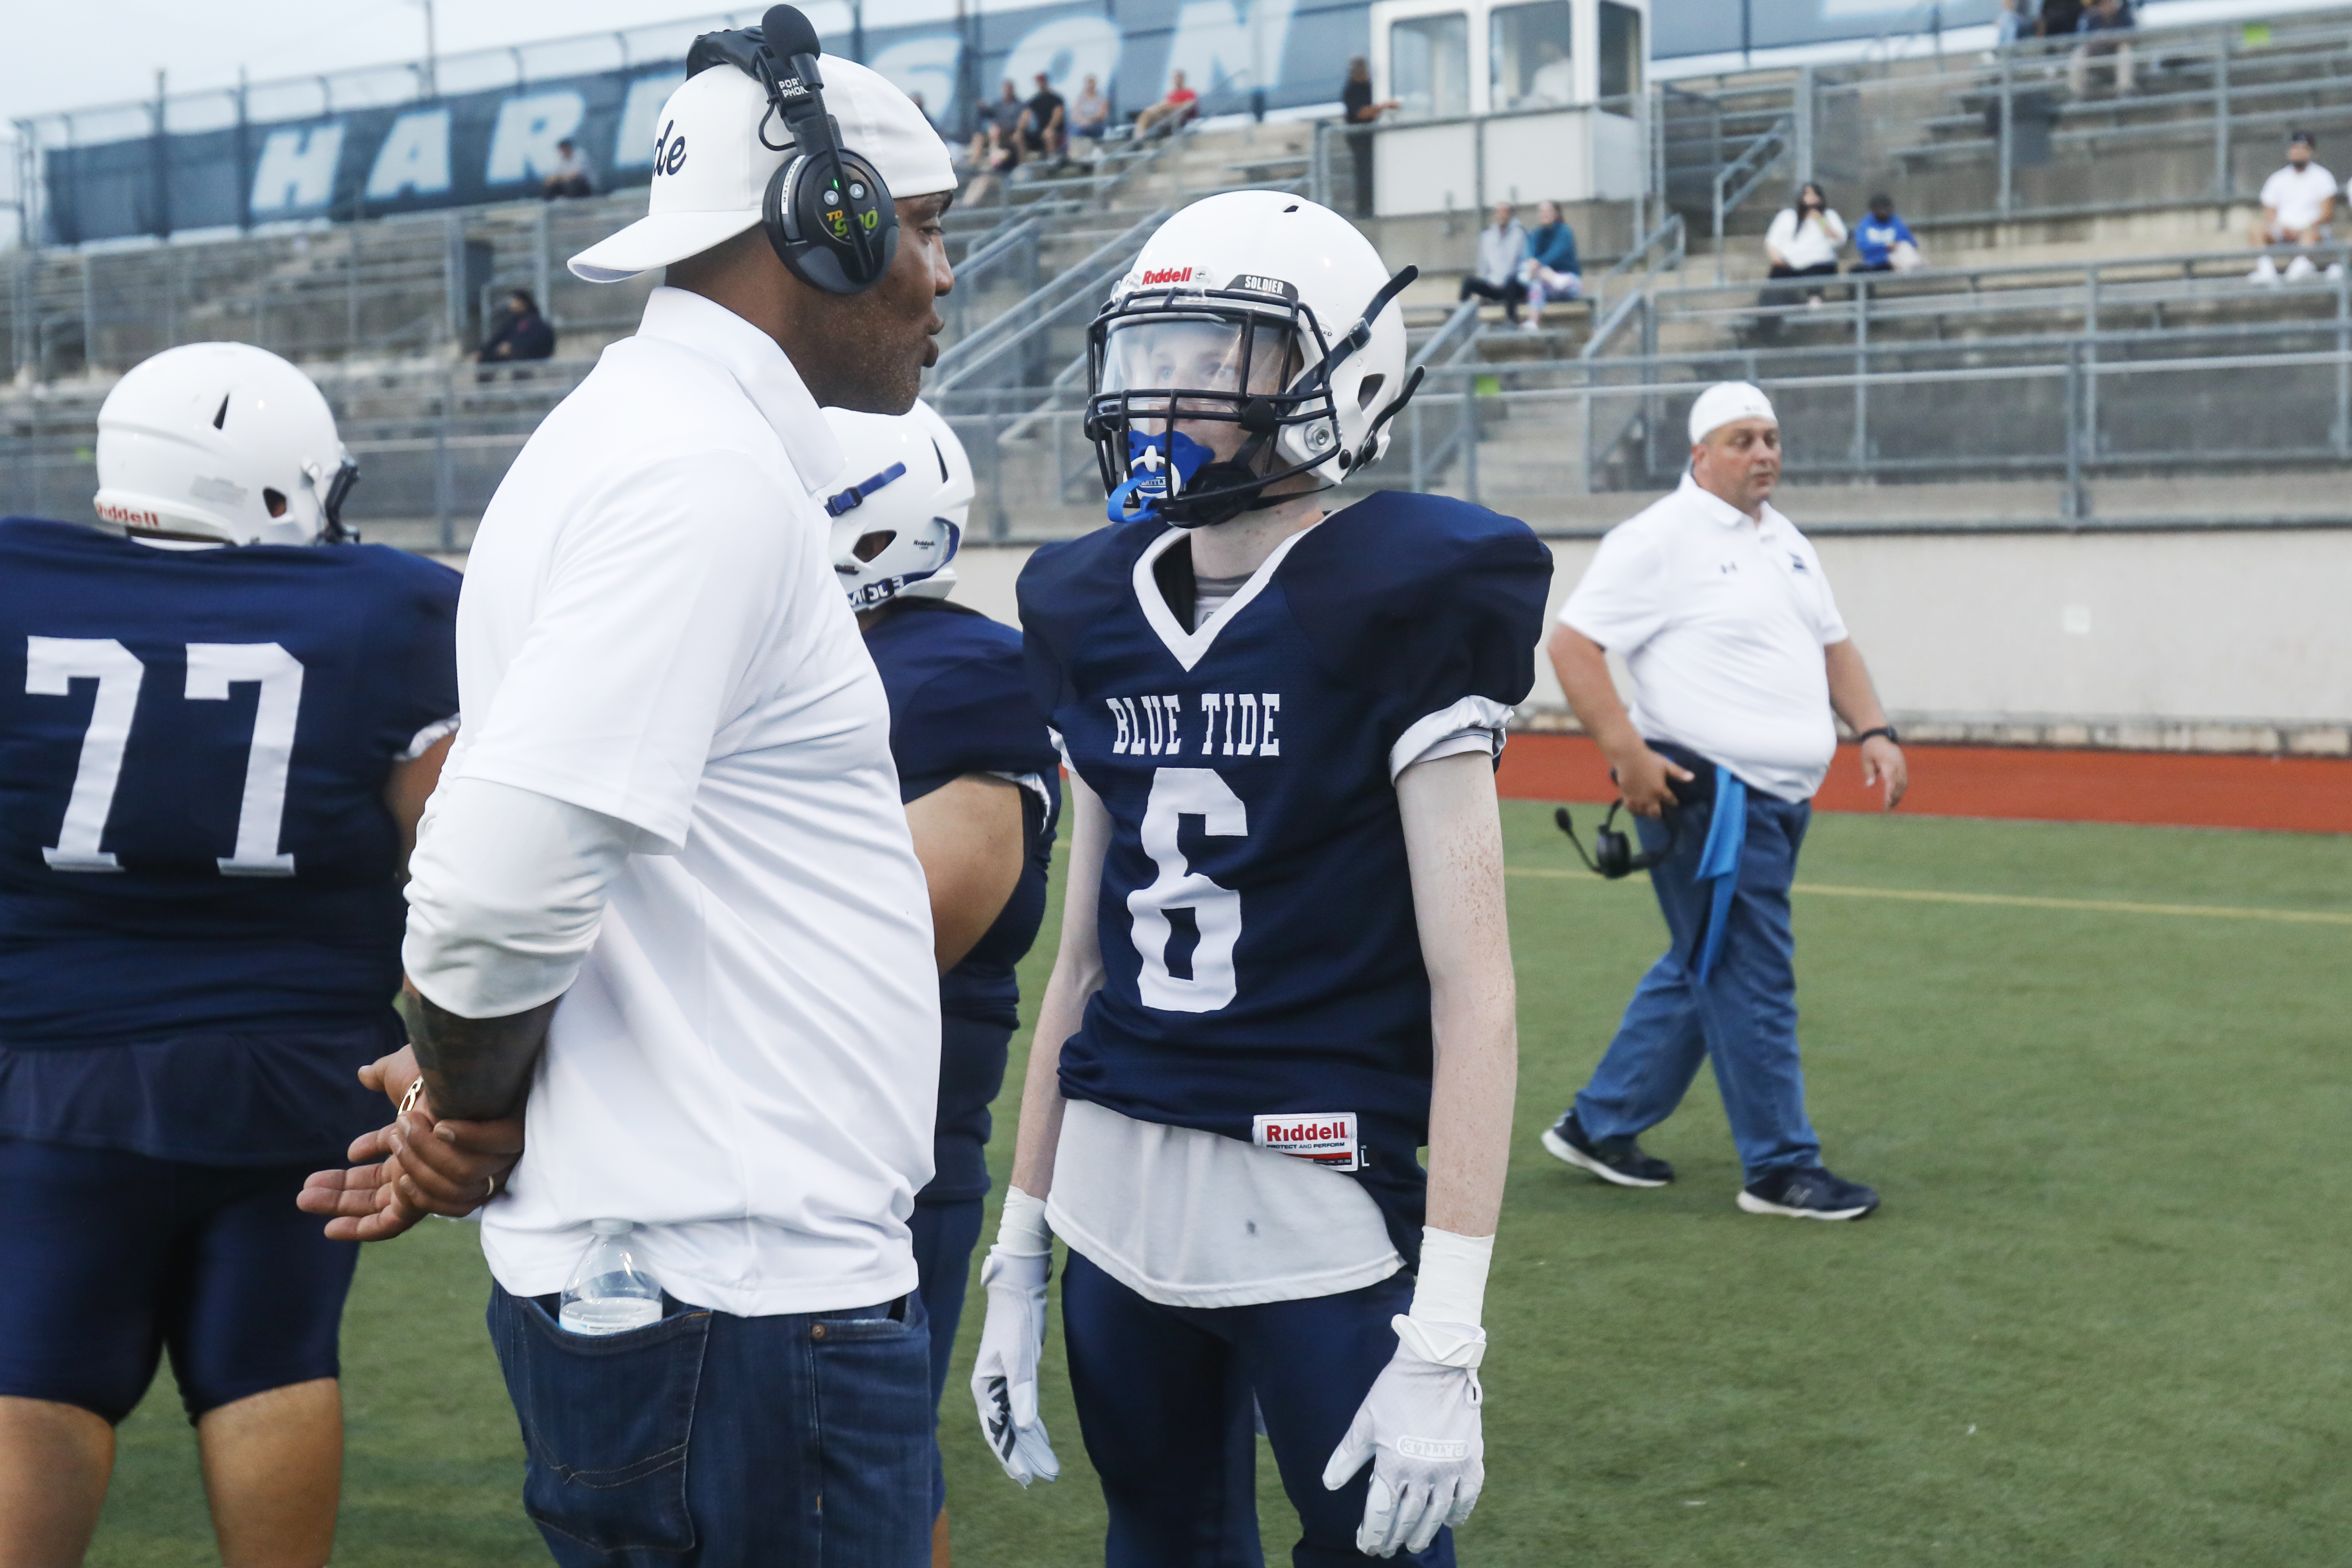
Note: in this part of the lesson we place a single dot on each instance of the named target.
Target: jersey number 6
(1176, 794)
(53, 664)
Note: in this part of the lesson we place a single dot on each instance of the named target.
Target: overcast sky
(70, 53)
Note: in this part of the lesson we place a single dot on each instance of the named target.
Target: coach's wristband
(1022, 1231)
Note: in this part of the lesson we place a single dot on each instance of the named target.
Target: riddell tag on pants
(1326, 1137)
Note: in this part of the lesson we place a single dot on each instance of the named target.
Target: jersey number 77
(53, 664)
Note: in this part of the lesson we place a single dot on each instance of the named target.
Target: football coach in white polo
(1722, 614)
(665, 897)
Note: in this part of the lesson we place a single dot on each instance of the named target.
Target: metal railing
(1458, 440)
(1737, 180)
(1662, 250)
(2109, 404)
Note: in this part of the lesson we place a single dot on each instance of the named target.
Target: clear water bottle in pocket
(610, 1293)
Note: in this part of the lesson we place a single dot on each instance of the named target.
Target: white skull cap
(710, 169)
(1724, 401)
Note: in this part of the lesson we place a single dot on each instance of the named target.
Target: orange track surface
(2297, 795)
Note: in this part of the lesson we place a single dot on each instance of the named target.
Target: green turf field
(2102, 1318)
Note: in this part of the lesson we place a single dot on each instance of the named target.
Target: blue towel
(1718, 861)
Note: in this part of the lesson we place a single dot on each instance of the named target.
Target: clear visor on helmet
(1209, 363)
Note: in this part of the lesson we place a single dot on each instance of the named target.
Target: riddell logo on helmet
(1166, 275)
(127, 517)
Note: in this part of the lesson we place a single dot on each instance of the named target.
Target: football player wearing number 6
(218, 726)
(1284, 962)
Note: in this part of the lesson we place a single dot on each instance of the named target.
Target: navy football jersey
(960, 704)
(1259, 945)
(193, 750)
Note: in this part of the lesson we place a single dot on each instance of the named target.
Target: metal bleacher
(2067, 362)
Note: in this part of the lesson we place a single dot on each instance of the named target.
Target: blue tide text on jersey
(193, 750)
(1263, 969)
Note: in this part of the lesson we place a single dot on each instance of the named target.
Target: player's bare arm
(1644, 778)
(1454, 842)
(1855, 701)
(1420, 1427)
(409, 787)
(1004, 1374)
(967, 835)
(1077, 975)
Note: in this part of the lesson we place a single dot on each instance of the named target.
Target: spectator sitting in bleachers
(573, 175)
(2298, 203)
(995, 154)
(1089, 114)
(1180, 104)
(2009, 23)
(1882, 242)
(1045, 123)
(1502, 247)
(2098, 17)
(2059, 19)
(518, 333)
(1550, 266)
(1803, 242)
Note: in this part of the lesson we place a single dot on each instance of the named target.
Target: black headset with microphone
(1612, 852)
(826, 211)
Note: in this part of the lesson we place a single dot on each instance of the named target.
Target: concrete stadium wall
(2161, 640)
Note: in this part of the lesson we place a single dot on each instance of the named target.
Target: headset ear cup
(794, 213)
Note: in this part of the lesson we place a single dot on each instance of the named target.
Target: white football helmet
(222, 443)
(901, 518)
(1256, 310)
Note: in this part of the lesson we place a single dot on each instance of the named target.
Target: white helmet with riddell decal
(221, 443)
(898, 515)
(1256, 339)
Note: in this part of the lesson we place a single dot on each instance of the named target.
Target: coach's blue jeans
(711, 1441)
(1743, 1019)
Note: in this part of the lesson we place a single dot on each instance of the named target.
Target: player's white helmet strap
(1217, 376)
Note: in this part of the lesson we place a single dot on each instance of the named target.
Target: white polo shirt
(1722, 622)
(651, 629)
(2297, 195)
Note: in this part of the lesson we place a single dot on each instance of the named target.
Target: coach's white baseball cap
(1724, 401)
(711, 169)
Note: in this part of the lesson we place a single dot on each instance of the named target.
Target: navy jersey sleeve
(1426, 600)
(971, 715)
(1064, 589)
(420, 650)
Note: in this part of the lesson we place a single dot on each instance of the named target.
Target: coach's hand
(1646, 780)
(1004, 1378)
(1882, 759)
(417, 1165)
(1419, 1428)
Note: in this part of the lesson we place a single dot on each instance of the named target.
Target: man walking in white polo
(666, 894)
(1722, 614)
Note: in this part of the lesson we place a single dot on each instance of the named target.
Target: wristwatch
(1885, 730)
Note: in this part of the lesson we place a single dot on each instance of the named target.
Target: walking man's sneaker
(1808, 1193)
(1620, 1160)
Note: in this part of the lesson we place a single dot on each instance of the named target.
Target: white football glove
(1419, 1428)
(1004, 1378)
